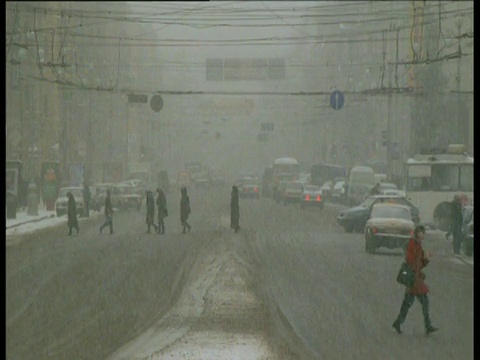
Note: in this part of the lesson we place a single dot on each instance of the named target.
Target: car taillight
(374, 230)
(319, 198)
(307, 197)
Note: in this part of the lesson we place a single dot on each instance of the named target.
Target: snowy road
(290, 285)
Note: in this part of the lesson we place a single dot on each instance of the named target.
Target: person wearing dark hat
(415, 257)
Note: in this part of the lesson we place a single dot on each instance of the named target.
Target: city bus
(433, 179)
(285, 169)
(321, 173)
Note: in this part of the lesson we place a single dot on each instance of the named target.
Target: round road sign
(336, 100)
(156, 103)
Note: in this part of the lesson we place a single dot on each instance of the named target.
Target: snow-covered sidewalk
(25, 223)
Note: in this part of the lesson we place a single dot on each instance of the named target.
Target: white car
(394, 192)
(61, 205)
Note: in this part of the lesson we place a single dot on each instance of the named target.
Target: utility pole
(460, 122)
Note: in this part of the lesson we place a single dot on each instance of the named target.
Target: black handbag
(406, 275)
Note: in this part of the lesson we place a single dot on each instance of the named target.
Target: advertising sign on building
(50, 180)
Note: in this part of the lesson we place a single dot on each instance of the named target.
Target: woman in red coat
(415, 257)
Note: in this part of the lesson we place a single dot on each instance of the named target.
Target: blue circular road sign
(336, 100)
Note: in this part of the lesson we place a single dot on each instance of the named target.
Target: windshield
(441, 177)
(396, 212)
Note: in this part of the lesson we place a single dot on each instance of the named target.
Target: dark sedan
(293, 193)
(249, 188)
(355, 218)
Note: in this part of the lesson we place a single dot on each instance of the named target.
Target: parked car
(99, 195)
(61, 204)
(249, 188)
(293, 193)
(125, 197)
(467, 229)
(311, 197)
(356, 217)
(390, 225)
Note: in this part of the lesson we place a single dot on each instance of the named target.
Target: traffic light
(384, 137)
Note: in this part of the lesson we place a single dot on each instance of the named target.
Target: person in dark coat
(162, 210)
(108, 213)
(415, 257)
(86, 199)
(72, 214)
(150, 216)
(234, 210)
(185, 210)
(456, 224)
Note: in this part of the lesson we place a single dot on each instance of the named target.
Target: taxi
(390, 225)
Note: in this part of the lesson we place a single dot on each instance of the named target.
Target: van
(360, 181)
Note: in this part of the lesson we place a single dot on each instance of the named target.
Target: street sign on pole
(156, 103)
(336, 100)
(138, 98)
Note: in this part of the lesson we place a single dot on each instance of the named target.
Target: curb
(30, 221)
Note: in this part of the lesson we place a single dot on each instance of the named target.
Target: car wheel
(59, 213)
(348, 228)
